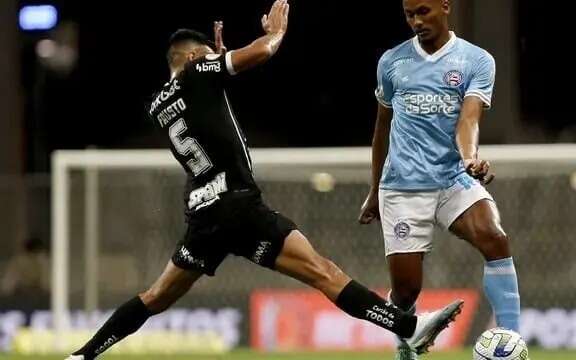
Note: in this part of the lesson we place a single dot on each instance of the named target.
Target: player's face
(427, 18)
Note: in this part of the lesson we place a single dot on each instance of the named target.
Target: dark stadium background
(317, 91)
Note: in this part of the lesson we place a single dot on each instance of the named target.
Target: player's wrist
(276, 33)
(468, 153)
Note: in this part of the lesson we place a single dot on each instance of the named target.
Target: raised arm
(262, 49)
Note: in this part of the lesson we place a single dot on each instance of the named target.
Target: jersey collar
(438, 54)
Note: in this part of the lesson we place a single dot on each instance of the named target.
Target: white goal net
(117, 216)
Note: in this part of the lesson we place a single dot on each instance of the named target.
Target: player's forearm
(379, 147)
(257, 53)
(467, 134)
(269, 43)
(378, 158)
(467, 130)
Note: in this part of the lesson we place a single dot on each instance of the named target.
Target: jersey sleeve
(212, 67)
(385, 90)
(483, 76)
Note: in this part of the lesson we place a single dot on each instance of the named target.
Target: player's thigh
(259, 233)
(408, 220)
(175, 279)
(272, 240)
(204, 244)
(480, 226)
(469, 212)
(481, 215)
(466, 206)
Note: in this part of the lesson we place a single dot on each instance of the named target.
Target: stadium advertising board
(280, 320)
(177, 331)
(551, 329)
(305, 320)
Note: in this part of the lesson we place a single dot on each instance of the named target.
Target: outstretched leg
(128, 318)
(299, 260)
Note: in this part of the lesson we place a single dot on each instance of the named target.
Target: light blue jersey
(426, 93)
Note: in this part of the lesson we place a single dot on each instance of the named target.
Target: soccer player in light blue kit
(432, 90)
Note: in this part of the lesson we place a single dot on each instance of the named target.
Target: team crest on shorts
(402, 230)
(453, 78)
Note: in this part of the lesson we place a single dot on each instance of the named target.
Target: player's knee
(158, 299)
(493, 243)
(152, 298)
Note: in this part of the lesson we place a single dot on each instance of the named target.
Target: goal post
(290, 165)
(93, 161)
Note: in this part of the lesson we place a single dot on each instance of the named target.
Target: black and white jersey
(205, 137)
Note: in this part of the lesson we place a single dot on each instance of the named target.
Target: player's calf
(161, 296)
(128, 318)
(480, 225)
(501, 289)
(170, 286)
(405, 296)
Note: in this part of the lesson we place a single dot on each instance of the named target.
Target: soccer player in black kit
(225, 211)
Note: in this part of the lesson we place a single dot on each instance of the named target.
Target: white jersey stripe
(244, 147)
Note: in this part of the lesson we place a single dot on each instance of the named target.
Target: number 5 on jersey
(199, 163)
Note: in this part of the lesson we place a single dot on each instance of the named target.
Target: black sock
(126, 320)
(361, 303)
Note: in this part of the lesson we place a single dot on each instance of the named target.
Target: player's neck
(432, 46)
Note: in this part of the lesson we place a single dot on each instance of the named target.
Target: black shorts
(240, 226)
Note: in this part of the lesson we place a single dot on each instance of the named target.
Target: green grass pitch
(247, 355)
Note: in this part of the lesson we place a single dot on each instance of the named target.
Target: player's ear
(446, 6)
(191, 56)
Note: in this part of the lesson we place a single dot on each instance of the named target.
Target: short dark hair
(183, 35)
(187, 35)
